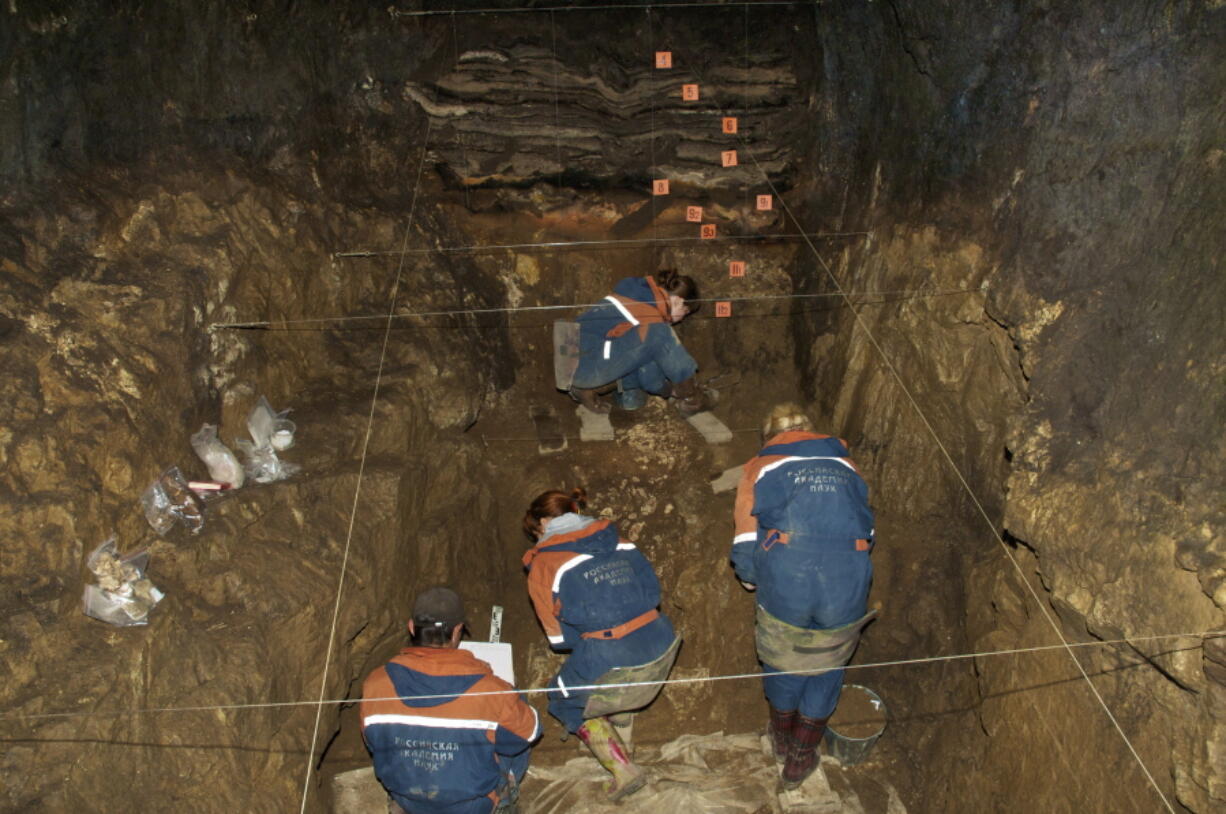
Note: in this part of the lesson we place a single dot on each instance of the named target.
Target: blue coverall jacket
(803, 535)
(597, 596)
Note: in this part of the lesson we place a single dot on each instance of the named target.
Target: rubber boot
(623, 724)
(602, 739)
(802, 752)
(690, 397)
(780, 732)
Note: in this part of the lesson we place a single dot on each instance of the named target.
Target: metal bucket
(847, 750)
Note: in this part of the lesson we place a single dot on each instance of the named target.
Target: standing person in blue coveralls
(463, 754)
(597, 596)
(803, 535)
(629, 344)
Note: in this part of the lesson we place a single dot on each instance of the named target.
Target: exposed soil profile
(989, 258)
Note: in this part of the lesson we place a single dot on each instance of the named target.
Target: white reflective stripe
(556, 639)
(562, 687)
(792, 458)
(608, 347)
(566, 566)
(745, 537)
(423, 720)
(625, 546)
(625, 312)
(536, 724)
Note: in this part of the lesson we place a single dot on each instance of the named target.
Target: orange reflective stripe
(625, 628)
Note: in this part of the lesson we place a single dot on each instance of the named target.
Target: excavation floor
(654, 481)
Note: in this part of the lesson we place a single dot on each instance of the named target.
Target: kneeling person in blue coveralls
(803, 535)
(462, 754)
(628, 343)
(597, 596)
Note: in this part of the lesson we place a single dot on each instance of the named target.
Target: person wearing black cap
(462, 753)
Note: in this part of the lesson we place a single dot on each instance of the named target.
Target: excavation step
(593, 426)
(549, 434)
(712, 429)
(357, 792)
(728, 480)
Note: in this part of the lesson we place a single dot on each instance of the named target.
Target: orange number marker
(693, 214)
(723, 309)
(728, 158)
(764, 203)
(706, 231)
(736, 268)
(689, 93)
(659, 186)
(664, 59)
(730, 124)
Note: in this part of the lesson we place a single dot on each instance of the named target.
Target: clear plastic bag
(222, 464)
(269, 428)
(124, 595)
(263, 465)
(169, 500)
(270, 431)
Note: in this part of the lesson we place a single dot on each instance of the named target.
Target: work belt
(625, 628)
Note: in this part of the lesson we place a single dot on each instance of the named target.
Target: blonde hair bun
(784, 417)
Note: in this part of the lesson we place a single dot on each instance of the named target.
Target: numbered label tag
(659, 186)
(693, 214)
(736, 268)
(765, 202)
(730, 124)
(728, 158)
(664, 59)
(723, 309)
(689, 93)
(706, 231)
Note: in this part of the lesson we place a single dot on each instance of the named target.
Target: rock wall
(1067, 163)
(1042, 182)
(113, 289)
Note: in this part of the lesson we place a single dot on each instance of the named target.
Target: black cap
(440, 607)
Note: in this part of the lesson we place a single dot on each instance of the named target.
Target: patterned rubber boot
(602, 739)
(780, 732)
(802, 753)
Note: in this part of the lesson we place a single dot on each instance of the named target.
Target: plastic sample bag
(263, 465)
(270, 431)
(169, 500)
(222, 464)
(124, 595)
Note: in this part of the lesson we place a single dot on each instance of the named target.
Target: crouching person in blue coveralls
(597, 596)
(463, 754)
(803, 535)
(628, 344)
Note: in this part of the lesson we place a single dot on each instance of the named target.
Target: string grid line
(905, 293)
(357, 491)
(1131, 641)
(863, 325)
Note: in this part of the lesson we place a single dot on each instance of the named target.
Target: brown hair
(679, 285)
(553, 503)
